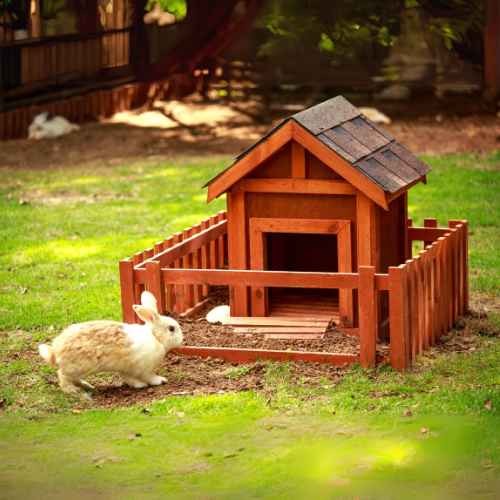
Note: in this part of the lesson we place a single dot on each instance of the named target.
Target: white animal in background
(376, 116)
(219, 314)
(41, 128)
(134, 351)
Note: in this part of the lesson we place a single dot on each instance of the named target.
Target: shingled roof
(361, 143)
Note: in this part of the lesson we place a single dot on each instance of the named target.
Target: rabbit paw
(133, 382)
(157, 380)
(84, 385)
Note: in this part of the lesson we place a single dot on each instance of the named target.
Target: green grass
(59, 256)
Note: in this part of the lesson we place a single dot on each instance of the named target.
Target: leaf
(408, 414)
(424, 429)
(487, 404)
(83, 274)
(25, 289)
(76, 412)
(3, 402)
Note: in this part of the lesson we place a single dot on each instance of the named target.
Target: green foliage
(176, 7)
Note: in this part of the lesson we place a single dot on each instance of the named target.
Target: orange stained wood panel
(430, 293)
(277, 166)
(425, 299)
(206, 257)
(367, 317)
(346, 297)
(449, 279)
(250, 161)
(316, 169)
(258, 262)
(412, 331)
(419, 307)
(189, 264)
(454, 274)
(138, 288)
(430, 223)
(443, 284)
(251, 355)
(197, 264)
(127, 290)
(221, 216)
(279, 329)
(334, 161)
(238, 240)
(303, 226)
(399, 321)
(214, 245)
(405, 252)
(298, 161)
(180, 306)
(438, 298)
(267, 321)
(363, 213)
(169, 243)
(155, 285)
(427, 234)
(294, 186)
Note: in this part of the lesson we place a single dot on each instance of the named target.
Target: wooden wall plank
(363, 216)
(346, 300)
(238, 238)
(298, 161)
(367, 317)
(308, 186)
(258, 262)
(405, 252)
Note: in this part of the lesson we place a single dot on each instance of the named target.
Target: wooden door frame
(259, 227)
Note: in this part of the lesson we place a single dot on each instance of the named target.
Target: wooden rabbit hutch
(316, 230)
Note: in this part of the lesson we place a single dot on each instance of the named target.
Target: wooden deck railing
(427, 293)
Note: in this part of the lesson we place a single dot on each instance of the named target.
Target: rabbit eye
(171, 328)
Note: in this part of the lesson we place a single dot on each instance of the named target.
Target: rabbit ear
(146, 314)
(148, 300)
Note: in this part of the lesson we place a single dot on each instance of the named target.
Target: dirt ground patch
(173, 130)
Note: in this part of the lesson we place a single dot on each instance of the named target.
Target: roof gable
(337, 126)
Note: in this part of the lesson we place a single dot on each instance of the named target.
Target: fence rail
(427, 293)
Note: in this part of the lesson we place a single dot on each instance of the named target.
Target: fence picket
(429, 223)
(206, 255)
(179, 289)
(127, 290)
(367, 317)
(425, 298)
(430, 294)
(169, 243)
(449, 287)
(188, 264)
(214, 246)
(197, 262)
(398, 317)
(138, 288)
(220, 217)
(411, 307)
(454, 274)
(155, 285)
(419, 309)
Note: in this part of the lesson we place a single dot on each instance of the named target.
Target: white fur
(84, 349)
(41, 128)
(219, 314)
(375, 115)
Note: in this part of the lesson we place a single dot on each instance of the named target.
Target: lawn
(62, 234)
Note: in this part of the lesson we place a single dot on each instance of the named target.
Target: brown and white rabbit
(134, 351)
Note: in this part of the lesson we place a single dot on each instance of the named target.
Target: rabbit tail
(48, 355)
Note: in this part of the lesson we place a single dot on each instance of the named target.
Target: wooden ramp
(280, 328)
(295, 306)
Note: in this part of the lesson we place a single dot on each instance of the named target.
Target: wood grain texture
(367, 317)
(170, 292)
(426, 234)
(335, 162)
(188, 264)
(154, 283)
(438, 298)
(126, 267)
(302, 226)
(454, 274)
(430, 294)
(239, 241)
(266, 321)
(419, 304)
(363, 209)
(180, 306)
(138, 288)
(256, 278)
(306, 186)
(249, 162)
(298, 161)
(449, 280)
(425, 299)
(398, 314)
(429, 223)
(197, 264)
(346, 297)
(206, 254)
(258, 262)
(252, 355)
(412, 332)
